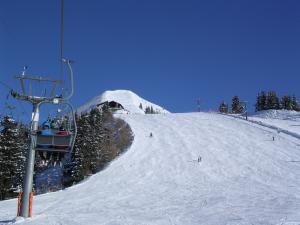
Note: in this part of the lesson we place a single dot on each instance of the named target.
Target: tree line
(100, 138)
(237, 106)
(264, 101)
(270, 100)
(148, 109)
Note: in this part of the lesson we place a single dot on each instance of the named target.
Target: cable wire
(61, 37)
(5, 85)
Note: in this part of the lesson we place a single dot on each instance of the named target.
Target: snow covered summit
(124, 101)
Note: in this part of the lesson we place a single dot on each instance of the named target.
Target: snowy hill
(130, 101)
(243, 178)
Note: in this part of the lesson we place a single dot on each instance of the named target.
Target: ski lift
(56, 136)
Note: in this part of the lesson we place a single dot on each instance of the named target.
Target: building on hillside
(111, 106)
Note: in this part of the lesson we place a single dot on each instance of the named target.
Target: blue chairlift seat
(47, 132)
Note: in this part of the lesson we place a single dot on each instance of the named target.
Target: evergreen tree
(264, 100)
(141, 106)
(100, 138)
(261, 101)
(76, 167)
(88, 150)
(295, 105)
(20, 156)
(152, 110)
(97, 131)
(12, 151)
(272, 100)
(236, 106)
(286, 102)
(223, 108)
(148, 110)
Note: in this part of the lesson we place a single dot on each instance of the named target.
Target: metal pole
(28, 179)
(36, 102)
(198, 104)
(246, 111)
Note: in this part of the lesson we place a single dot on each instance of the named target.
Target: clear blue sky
(170, 52)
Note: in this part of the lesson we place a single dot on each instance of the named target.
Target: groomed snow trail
(243, 178)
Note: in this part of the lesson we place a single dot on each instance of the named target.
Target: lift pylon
(36, 102)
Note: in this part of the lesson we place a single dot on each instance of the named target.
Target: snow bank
(282, 120)
(277, 114)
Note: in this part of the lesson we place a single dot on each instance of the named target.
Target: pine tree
(88, 154)
(152, 110)
(75, 169)
(295, 105)
(148, 110)
(260, 101)
(223, 108)
(272, 100)
(20, 156)
(263, 101)
(100, 138)
(286, 102)
(236, 106)
(12, 152)
(98, 133)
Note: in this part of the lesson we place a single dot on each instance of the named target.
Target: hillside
(129, 100)
(243, 178)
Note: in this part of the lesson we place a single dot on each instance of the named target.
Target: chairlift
(56, 135)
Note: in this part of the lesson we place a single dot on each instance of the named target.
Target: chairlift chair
(49, 140)
(56, 136)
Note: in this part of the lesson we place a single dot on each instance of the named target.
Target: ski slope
(244, 178)
(282, 119)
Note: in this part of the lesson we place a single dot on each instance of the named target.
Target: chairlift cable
(61, 37)
(5, 85)
(23, 109)
(63, 90)
(11, 107)
(10, 88)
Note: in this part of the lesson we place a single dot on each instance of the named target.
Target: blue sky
(169, 52)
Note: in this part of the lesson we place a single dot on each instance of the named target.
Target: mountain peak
(128, 101)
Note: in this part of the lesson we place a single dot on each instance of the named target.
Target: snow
(244, 177)
(129, 100)
(283, 119)
(280, 120)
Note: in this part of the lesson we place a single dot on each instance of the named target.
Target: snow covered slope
(243, 178)
(283, 119)
(129, 100)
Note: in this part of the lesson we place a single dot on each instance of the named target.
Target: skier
(199, 159)
(54, 124)
(151, 135)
